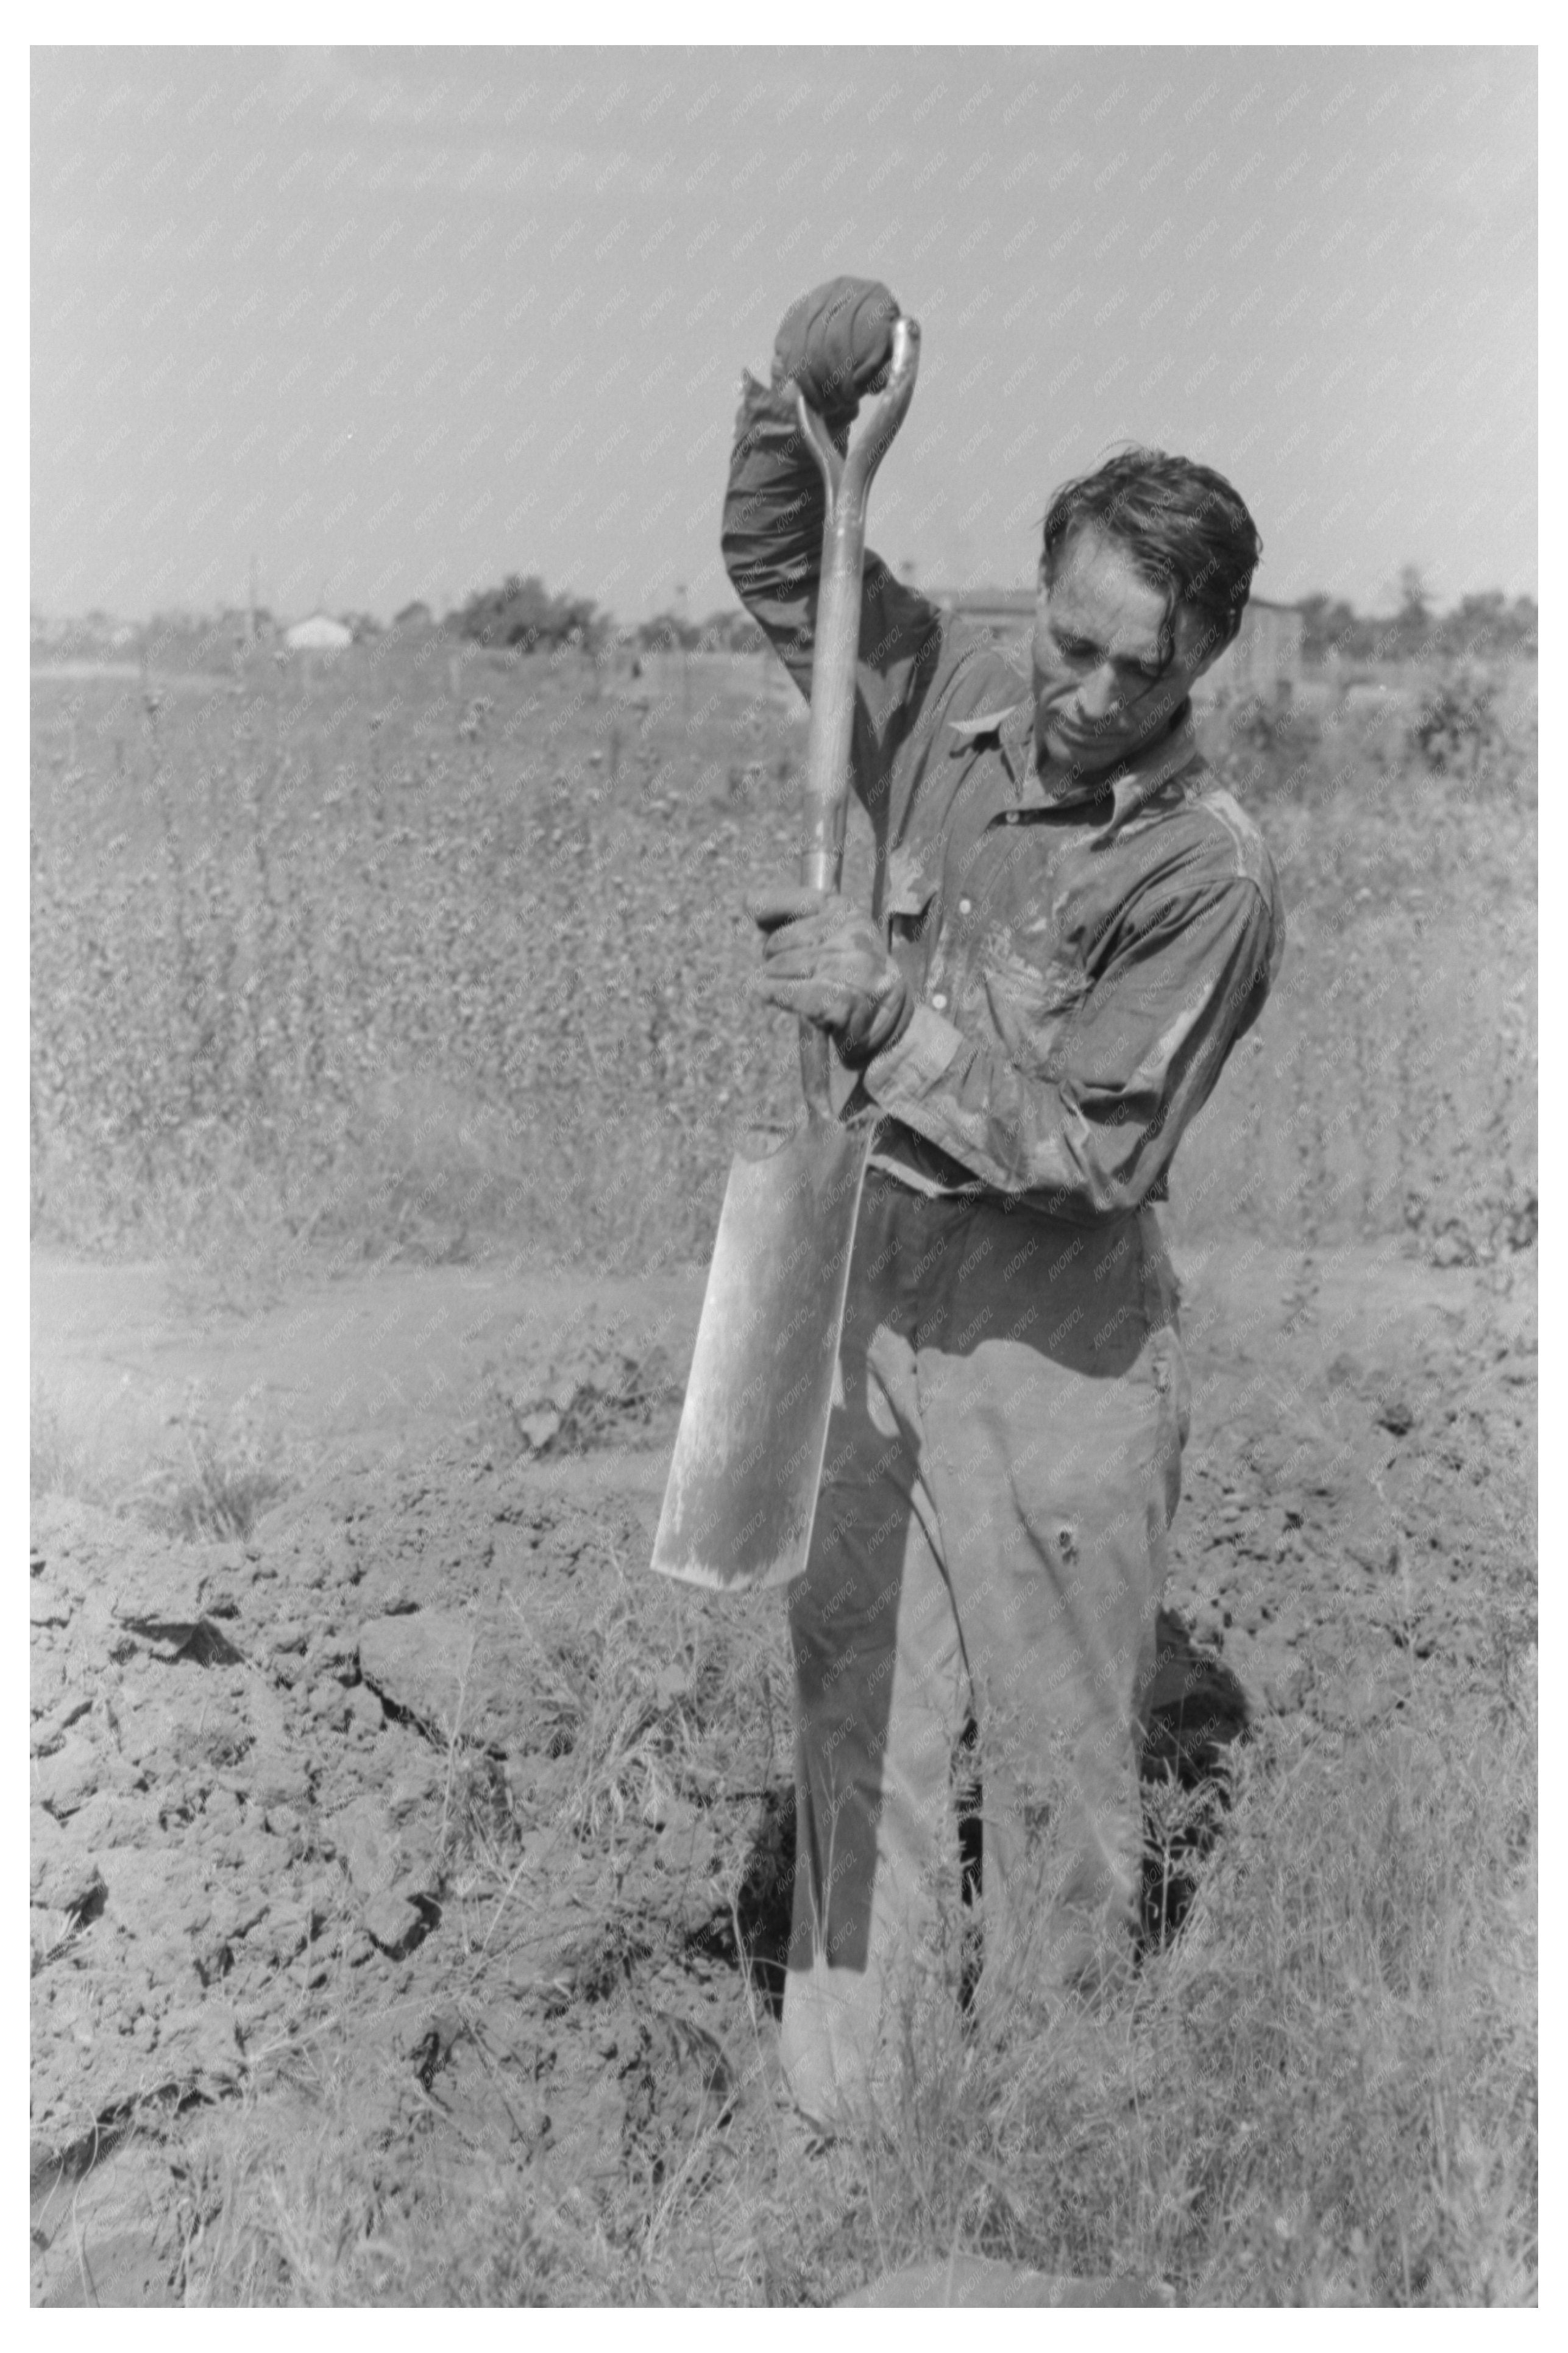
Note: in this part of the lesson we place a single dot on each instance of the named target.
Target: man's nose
(1098, 695)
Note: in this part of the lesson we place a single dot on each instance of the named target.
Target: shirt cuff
(904, 1074)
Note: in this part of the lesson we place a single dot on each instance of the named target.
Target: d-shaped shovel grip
(846, 480)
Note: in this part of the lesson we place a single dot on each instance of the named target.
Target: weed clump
(607, 1394)
(223, 1475)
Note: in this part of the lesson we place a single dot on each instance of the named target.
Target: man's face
(1103, 684)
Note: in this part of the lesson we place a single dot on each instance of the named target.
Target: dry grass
(1322, 2092)
(1390, 1083)
(399, 969)
(58, 1462)
(222, 1475)
(413, 975)
(206, 1476)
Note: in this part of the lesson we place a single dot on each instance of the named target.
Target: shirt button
(964, 906)
(939, 1000)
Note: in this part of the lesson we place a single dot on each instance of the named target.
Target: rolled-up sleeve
(1094, 1131)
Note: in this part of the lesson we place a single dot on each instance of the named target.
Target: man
(1070, 927)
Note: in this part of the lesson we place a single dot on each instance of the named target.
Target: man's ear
(1204, 637)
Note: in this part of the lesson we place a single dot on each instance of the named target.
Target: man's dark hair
(1186, 529)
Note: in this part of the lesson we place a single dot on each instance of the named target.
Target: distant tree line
(523, 615)
(1477, 629)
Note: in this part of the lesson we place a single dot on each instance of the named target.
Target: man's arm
(774, 509)
(1097, 1129)
(832, 341)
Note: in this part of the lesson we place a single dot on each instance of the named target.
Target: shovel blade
(742, 1493)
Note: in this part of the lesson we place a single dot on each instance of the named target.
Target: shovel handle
(846, 480)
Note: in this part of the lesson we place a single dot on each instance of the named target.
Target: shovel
(742, 1493)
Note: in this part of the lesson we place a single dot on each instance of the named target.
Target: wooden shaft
(826, 805)
(835, 648)
(833, 676)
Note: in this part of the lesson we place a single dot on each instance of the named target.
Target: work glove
(837, 343)
(824, 962)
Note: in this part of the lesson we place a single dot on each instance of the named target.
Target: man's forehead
(1097, 588)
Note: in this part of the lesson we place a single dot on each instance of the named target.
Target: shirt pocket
(1031, 1006)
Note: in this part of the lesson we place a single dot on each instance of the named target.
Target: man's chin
(1086, 755)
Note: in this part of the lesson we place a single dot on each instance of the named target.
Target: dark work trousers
(1003, 1461)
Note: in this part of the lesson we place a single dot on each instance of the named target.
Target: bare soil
(309, 1822)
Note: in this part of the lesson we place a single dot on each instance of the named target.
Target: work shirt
(1084, 954)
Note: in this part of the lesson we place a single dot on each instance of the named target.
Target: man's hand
(837, 343)
(824, 961)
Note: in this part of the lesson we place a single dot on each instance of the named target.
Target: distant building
(318, 634)
(1266, 657)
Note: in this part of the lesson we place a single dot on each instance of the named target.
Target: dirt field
(422, 1824)
(406, 1862)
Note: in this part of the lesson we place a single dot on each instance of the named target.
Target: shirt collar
(1136, 781)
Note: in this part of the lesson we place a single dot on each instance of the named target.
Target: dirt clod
(393, 1923)
(64, 1875)
(455, 1677)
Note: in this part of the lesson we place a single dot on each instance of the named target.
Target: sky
(394, 323)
